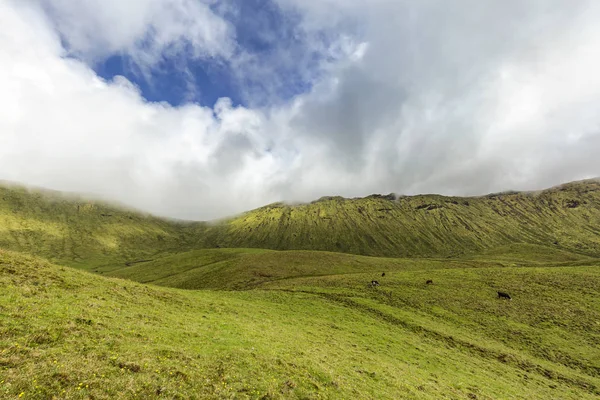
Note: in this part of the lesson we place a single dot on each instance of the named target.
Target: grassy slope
(76, 231)
(552, 321)
(419, 226)
(72, 334)
(92, 234)
(306, 323)
(241, 269)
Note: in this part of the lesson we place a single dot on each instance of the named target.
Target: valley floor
(307, 325)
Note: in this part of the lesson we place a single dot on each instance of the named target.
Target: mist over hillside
(75, 230)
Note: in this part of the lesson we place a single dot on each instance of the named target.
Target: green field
(97, 301)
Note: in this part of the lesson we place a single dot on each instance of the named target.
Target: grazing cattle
(374, 283)
(383, 274)
(429, 282)
(502, 295)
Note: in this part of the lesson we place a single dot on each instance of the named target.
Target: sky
(200, 109)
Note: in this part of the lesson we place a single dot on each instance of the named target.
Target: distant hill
(72, 230)
(564, 217)
(75, 231)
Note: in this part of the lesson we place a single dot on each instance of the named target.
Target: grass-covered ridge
(566, 217)
(71, 334)
(77, 231)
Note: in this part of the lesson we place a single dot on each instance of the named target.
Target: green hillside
(178, 310)
(74, 230)
(80, 232)
(240, 269)
(71, 334)
(566, 217)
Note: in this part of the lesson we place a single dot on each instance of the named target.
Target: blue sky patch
(175, 80)
(279, 63)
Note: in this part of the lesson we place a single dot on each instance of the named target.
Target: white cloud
(427, 108)
(415, 97)
(64, 127)
(144, 29)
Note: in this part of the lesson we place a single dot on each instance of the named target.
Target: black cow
(429, 282)
(383, 274)
(374, 283)
(502, 295)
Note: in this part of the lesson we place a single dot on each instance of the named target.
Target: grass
(151, 311)
(72, 334)
(78, 232)
(241, 269)
(566, 217)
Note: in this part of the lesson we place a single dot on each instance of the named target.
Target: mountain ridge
(421, 225)
(75, 230)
